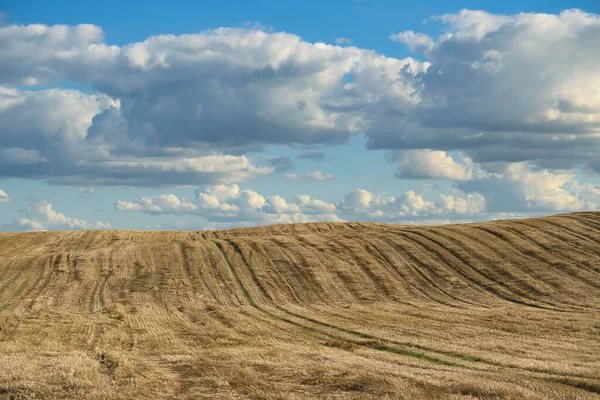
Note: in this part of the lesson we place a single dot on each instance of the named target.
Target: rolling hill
(505, 309)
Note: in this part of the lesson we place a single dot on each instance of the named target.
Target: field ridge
(502, 309)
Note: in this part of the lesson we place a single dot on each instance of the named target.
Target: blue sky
(367, 22)
(419, 112)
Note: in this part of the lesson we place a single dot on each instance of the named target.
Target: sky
(188, 115)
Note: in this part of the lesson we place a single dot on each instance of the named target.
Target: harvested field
(499, 310)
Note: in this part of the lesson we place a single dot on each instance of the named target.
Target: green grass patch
(5, 286)
(20, 289)
(404, 352)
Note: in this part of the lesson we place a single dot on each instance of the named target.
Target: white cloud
(413, 40)
(45, 214)
(521, 91)
(514, 88)
(22, 225)
(165, 203)
(519, 187)
(543, 189)
(47, 134)
(428, 164)
(310, 176)
(364, 205)
(42, 216)
(499, 88)
(169, 100)
(469, 204)
(4, 198)
(226, 206)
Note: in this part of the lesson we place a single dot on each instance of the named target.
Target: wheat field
(498, 310)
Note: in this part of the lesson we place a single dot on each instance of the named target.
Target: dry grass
(502, 310)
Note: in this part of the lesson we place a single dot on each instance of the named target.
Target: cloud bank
(504, 108)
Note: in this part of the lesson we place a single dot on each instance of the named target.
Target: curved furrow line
(542, 373)
(508, 253)
(412, 290)
(379, 346)
(108, 274)
(266, 295)
(45, 277)
(306, 278)
(376, 346)
(559, 223)
(190, 276)
(83, 239)
(342, 277)
(187, 267)
(283, 278)
(102, 294)
(480, 258)
(422, 270)
(352, 257)
(220, 244)
(548, 250)
(561, 236)
(497, 288)
(512, 281)
(452, 267)
(7, 269)
(590, 251)
(567, 245)
(324, 280)
(7, 281)
(35, 241)
(97, 300)
(65, 278)
(505, 251)
(256, 306)
(583, 219)
(591, 246)
(63, 238)
(275, 254)
(228, 290)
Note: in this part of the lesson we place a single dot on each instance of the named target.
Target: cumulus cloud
(226, 206)
(519, 187)
(40, 215)
(428, 164)
(413, 40)
(4, 198)
(163, 204)
(507, 106)
(364, 205)
(171, 99)
(22, 225)
(49, 134)
(504, 88)
(310, 176)
(45, 214)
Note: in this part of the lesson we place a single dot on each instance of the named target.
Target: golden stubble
(507, 309)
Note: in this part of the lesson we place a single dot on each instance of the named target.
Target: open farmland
(506, 309)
